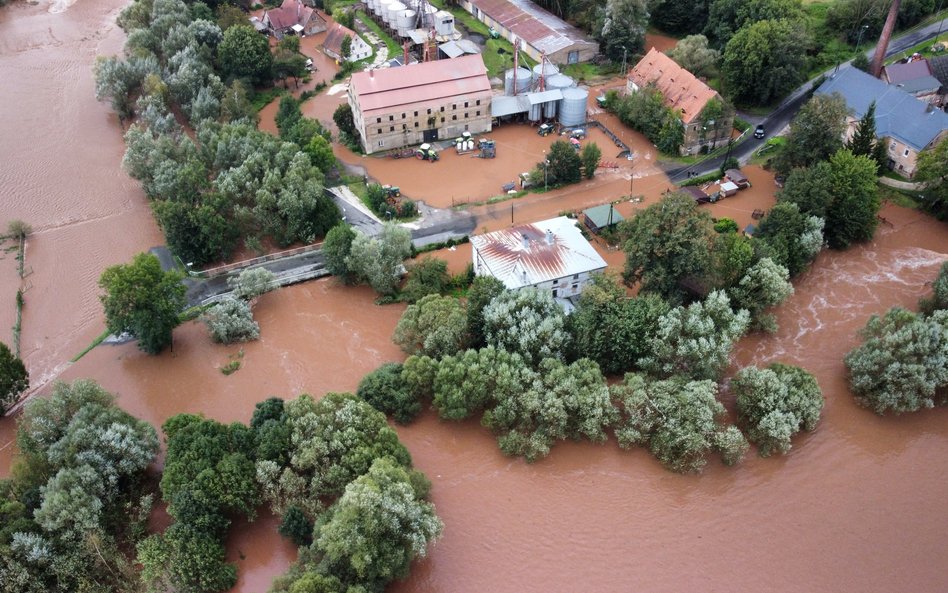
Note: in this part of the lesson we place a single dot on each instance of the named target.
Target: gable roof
(896, 73)
(333, 41)
(603, 215)
(682, 91)
(940, 69)
(291, 12)
(522, 256)
(386, 88)
(536, 26)
(898, 114)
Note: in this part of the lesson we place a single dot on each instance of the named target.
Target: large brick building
(685, 94)
(408, 105)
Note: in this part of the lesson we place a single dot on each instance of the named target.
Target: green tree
(435, 326)
(696, 341)
(861, 62)
(229, 16)
(142, 300)
(378, 260)
(527, 322)
(590, 156)
(252, 283)
(667, 244)
(345, 48)
(342, 116)
(766, 285)
(815, 133)
(428, 276)
(933, 172)
(613, 329)
(388, 392)
(320, 152)
(764, 61)
(620, 28)
(244, 53)
(938, 301)
(726, 17)
(851, 217)
(231, 320)
(688, 16)
(693, 54)
(296, 526)
(733, 255)
(482, 292)
(336, 249)
(378, 527)
(775, 403)
(810, 188)
(789, 238)
(185, 559)
(680, 421)
(236, 105)
(902, 366)
(197, 233)
(469, 382)
(14, 379)
(562, 164)
(864, 137)
(288, 114)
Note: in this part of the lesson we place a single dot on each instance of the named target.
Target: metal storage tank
(428, 15)
(405, 22)
(535, 112)
(444, 23)
(523, 81)
(382, 8)
(544, 69)
(373, 6)
(559, 81)
(394, 9)
(549, 109)
(573, 106)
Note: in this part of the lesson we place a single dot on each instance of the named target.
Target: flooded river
(857, 506)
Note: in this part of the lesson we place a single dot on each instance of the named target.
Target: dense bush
(378, 260)
(428, 276)
(775, 403)
(435, 326)
(765, 285)
(231, 320)
(252, 283)
(527, 322)
(387, 391)
(14, 379)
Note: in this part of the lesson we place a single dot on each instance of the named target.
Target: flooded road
(857, 506)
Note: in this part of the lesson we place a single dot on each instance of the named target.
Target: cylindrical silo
(405, 22)
(573, 107)
(559, 81)
(544, 69)
(394, 9)
(382, 9)
(523, 81)
(373, 6)
(428, 16)
(535, 112)
(549, 109)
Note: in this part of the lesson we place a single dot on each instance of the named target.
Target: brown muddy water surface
(857, 506)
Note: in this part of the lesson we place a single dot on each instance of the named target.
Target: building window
(905, 153)
(554, 293)
(454, 107)
(465, 127)
(381, 142)
(416, 113)
(478, 102)
(575, 276)
(572, 57)
(380, 130)
(391, 128)
(478, 113)
(454, 118)
(378, 120)
(442, 120)
(442, 109)
(465, 104)
(404, 126)
(416, 124)
(465, 116)
(403, 116)
(391, 118)
(892, 146)
(429, 111)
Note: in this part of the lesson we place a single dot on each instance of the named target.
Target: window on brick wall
(380, 130)
(454, 118)
(478, 102)
(478, 113)
(391, 118)
(465, 115)
(391, 128)
(378, 120)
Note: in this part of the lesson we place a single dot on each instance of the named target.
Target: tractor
(545, 129)
(426, 153)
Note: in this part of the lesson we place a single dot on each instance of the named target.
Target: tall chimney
(549, 237)
(883, 45)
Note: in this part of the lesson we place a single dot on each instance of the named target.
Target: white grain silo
(573, 106)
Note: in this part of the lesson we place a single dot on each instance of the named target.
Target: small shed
(739, 179)
(697, 193)
(728, 189)
(601, 217)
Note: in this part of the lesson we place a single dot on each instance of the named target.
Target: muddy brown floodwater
(856, 506)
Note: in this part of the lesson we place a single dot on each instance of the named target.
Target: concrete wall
(399, 128)
(696, 137)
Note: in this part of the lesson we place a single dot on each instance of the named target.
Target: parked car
(760, 132)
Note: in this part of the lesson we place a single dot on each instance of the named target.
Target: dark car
(759, 132)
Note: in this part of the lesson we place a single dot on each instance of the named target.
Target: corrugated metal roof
(603, 216)
(419, 84)
(682, 91)
(521, 255)
(536, 26)
(545, 96)
(451, 49)
(898, 114)
(501, 106)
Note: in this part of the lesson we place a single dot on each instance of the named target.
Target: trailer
(697, 194)
(738, 178)
(487, 147)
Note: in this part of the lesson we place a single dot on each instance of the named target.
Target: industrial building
(541, 94)
(426, 102)
(541, 33)
(413, 21)
(548, 255)
(685, 94)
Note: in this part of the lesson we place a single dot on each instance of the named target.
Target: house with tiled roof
(293, 18)
(915, 78)
(332, 45)
(686, 95)
(907, 125)
(548, 255)
(415, 103)
(540, 32)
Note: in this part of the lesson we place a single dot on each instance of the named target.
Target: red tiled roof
(291, 12)
(405, 86)
(333, 41)
(529, 22)
(682, 91)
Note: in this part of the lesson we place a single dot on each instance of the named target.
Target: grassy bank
(394, 49)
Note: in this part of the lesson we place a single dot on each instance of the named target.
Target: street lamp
(859, 37)
(546, 167)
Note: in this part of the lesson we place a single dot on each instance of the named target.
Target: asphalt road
(784, 112)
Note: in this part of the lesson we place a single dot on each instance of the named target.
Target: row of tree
(645, 111)
(234, 182)
(564, 164)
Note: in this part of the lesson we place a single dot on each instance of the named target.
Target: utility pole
(625, 53)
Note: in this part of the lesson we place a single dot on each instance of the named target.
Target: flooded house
(908, 126)
(293, 18)
(332, 45)
(415, 103)
(687, 96)
(548, 255)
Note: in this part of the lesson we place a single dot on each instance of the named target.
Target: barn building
(332, 45)
(539, 31)
(395, 107)
(547, 255)
(293, 18)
